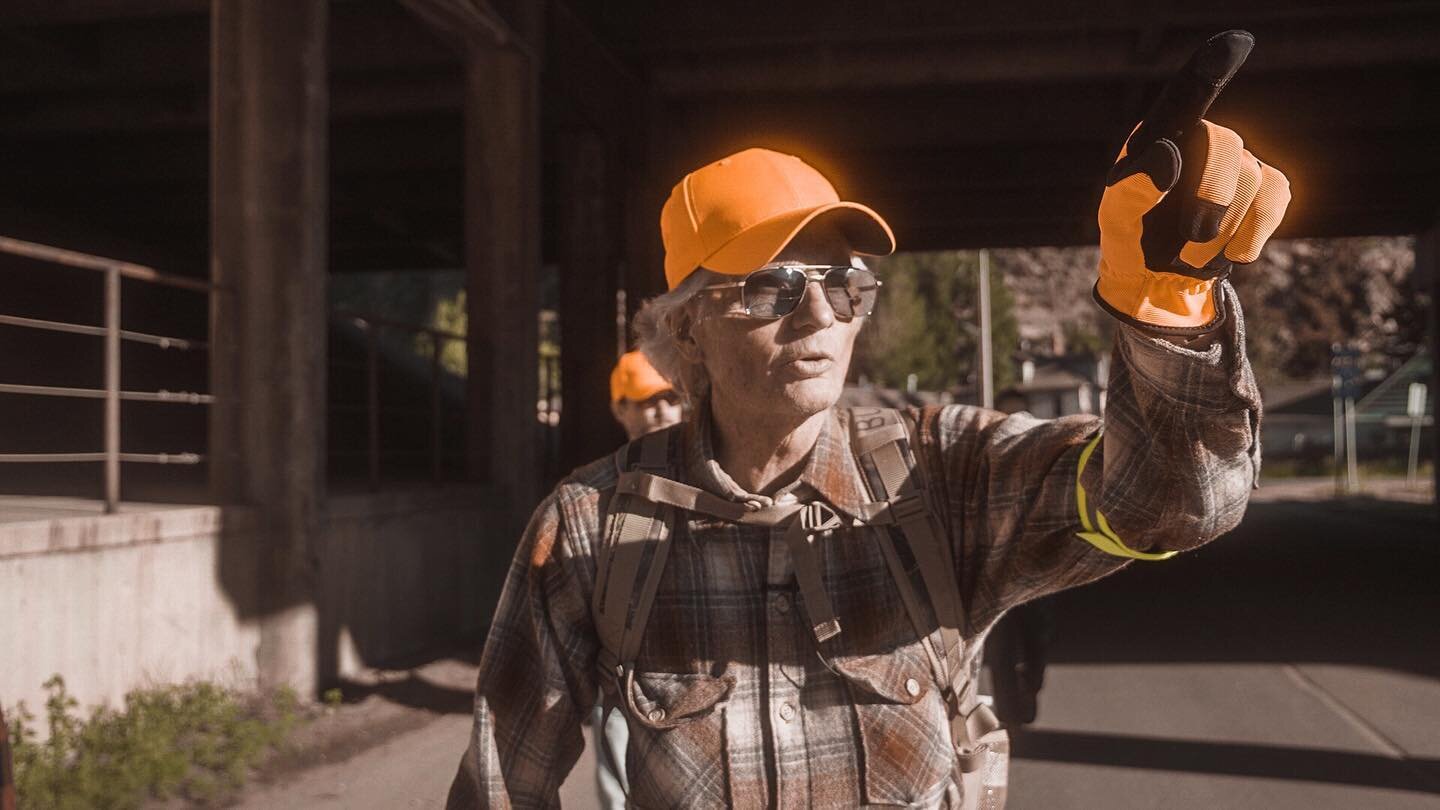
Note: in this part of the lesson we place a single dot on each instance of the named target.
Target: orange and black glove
(1183, 202)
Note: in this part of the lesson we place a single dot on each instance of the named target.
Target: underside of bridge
(965, 124)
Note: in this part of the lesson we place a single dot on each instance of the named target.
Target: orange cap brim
(641, 389)
(759, 244)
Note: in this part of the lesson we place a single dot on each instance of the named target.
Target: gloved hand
(1184, 200)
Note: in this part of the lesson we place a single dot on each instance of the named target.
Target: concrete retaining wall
(116, 602)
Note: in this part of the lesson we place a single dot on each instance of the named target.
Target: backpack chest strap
(658, 489)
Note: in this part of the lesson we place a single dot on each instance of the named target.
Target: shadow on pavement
(414, 691)
(1346, 582)
(1343, 582)
(1234, 759)
(439, 682)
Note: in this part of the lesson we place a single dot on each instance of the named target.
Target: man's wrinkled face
(794, 365)
(649, 415)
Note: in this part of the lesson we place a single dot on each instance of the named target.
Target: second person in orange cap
(642, 400)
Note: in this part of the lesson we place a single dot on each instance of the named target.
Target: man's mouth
(810, 364)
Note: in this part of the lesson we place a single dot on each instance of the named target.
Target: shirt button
(656, 715)
(787, 712)
(781, 603)
(912, 686)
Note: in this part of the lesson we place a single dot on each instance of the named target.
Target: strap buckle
(817, 516)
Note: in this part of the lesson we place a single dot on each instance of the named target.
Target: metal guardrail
(113, 335)
(372, 325)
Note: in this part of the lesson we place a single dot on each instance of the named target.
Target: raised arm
(1037, 506)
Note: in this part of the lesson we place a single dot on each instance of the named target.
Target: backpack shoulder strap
(635, 549)
(881, 441)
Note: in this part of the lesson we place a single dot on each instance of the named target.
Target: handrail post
(435, 406)
(372, 375)
(112, 389)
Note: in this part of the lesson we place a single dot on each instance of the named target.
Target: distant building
(1058, 386)
(1383, 411)
(1300, 417)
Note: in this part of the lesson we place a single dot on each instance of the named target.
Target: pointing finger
(1188, 96)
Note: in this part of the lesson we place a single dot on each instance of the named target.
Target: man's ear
(682, 326)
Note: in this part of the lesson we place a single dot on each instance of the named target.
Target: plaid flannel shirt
(736, 707)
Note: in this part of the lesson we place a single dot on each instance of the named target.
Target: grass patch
(195, 741)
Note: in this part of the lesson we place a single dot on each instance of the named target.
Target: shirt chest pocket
(677, 756)
(907, 757)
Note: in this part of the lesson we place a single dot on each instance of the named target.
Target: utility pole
(1352, 467)
(987, 361)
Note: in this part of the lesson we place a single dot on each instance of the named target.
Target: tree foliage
(1306, 294)
(1301, 296)
(927, 323)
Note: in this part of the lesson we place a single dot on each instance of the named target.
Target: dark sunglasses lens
(852, 291)
(773, 293)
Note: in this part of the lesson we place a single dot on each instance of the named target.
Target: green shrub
(195, 741)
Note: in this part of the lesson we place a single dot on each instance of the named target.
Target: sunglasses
(775, 290)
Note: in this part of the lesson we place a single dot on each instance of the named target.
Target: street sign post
(1415, 409)
(1345, 387)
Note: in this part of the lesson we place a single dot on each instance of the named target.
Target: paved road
(1294, 664)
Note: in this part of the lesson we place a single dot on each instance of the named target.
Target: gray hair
(657, 335)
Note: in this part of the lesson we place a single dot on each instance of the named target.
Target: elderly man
(820, 579)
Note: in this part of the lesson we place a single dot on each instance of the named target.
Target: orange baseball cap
(738, 213)
(635, 379)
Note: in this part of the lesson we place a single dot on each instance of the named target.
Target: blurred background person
(641, 399)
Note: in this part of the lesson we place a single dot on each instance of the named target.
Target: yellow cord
(1105, 539)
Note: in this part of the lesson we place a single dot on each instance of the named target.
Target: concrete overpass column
(269, 208)
(502, 261)
(1427, 266)
(652, 172)
(588, 281)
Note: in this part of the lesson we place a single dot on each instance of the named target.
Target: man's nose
(814, 310)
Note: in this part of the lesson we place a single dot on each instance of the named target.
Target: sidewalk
(1324, 489)
(1293, 664)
